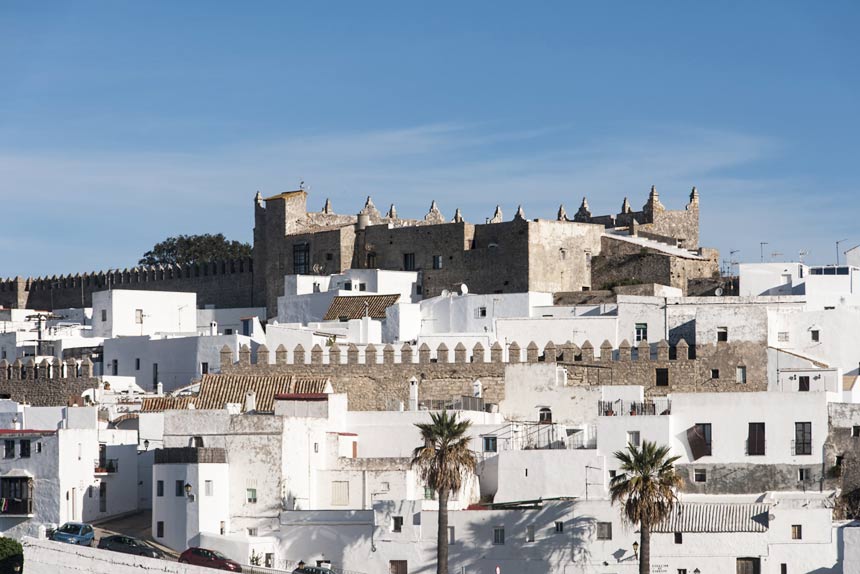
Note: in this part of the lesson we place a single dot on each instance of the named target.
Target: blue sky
(122, 123)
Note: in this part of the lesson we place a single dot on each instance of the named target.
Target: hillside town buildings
(267, 408)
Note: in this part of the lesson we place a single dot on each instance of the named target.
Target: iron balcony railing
(634, 408)
(106, 466)
(19, 507)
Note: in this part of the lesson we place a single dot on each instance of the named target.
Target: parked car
(130, 545)
(209, 559)
(74, 533)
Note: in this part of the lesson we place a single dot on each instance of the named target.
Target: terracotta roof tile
(355, 307)
(216, 390)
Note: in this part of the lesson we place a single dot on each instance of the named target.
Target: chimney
(413, 394)
(477, 389)
(159, 389)
(250, 402)
(213, 328)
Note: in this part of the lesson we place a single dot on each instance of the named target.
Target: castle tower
(583, 214)
(562, 214)
(653, 206)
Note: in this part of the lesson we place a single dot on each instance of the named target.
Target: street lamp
(188, 492)
(636, 550)
(837, 250)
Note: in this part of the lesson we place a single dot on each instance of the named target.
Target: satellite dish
(718, 292)
(463, 289)
(316, 268)
(445, 293)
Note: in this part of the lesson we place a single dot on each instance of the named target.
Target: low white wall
(45, 557)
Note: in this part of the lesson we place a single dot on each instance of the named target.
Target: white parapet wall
(46, 557)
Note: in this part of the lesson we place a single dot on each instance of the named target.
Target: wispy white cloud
(70, 204)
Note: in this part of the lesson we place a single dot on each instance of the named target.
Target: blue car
(74, 533)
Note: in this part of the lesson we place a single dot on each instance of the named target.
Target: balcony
(106, 466)
(16, 507)
(634, 408)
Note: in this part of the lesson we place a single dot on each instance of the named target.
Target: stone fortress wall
(47, 383)
(220, 283)
(376, 378)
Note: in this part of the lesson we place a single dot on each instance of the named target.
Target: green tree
(11, 556)
(443, 462)
(645, 491)
(186, 249)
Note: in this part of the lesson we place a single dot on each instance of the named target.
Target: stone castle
(582, 253)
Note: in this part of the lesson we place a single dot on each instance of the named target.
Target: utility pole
(837, 250)
(761, 248)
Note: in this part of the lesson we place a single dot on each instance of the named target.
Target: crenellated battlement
(565, 353)
(224, 283)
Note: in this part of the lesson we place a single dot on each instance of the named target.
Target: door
(103, 496)
(748, 566)
(74, 504)
(397, 567)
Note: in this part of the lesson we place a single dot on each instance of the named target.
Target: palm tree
(645, 491)
(443, 462)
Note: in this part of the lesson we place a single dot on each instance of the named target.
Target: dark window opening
(755, 439)
(409, 262)
(803, 384)
(301, 259)
(662, 377)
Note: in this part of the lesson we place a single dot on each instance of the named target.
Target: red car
(209, 559)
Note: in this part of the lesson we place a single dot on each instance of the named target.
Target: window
(480, 312)
(741, 375)
(180, 488)
(490, 444)
(25, 448)
(409, 262)
(38, 447)
(397, 567)
(661, 377)
(301, 259)
(104, 315)
(340, 493)
(755, 439)
(700, 475)
(612, 474)
(796, 532)
(437, 262)
(137, 364)
(604, 531)
(347, 286)
(803, 474)
(679, 538)
(641, 332)
(159, 488)
(429, 493)
(633, 438)
(9, 451)
(251, 495)
(371, 260)
(362, 286)
(803, 438)
(228, 331)
(816, 335)
(159, 529)
(803, 384)
(196, 442)
(397, 524)
(722, 334)
(530, 533)
(208, 488)
(545, 415)
(782, 337)
(855, 431)
(498, 535)
(783, 568)
(329, 257)
(252, 532)
(682, 571)
(559, 527)
(715, 373)
(138, 316)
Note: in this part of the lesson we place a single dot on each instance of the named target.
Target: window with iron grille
(498, 535)
(803, 438)
(604, 531)
(301, 259)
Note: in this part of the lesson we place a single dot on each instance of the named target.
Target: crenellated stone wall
(376, 377)
(47, 383)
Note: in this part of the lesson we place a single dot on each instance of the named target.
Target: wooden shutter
(696, 440)
(340, 493)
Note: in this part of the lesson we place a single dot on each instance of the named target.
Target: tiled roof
(355, 307)
(692, 517)
(218, 390)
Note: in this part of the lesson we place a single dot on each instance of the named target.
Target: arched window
(545, 415)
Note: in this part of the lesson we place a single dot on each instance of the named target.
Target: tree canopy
(186, 249)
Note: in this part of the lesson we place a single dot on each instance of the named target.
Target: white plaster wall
(559, 330)
(612, 433)
(533, 474)
(402, 322)
(532, 386)
(758, 279)
(227, 318)
(729, 433)
(164, 312)
(460, 313)
(47, 492)
(839, 329)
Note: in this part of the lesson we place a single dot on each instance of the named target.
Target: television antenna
(801, 254)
